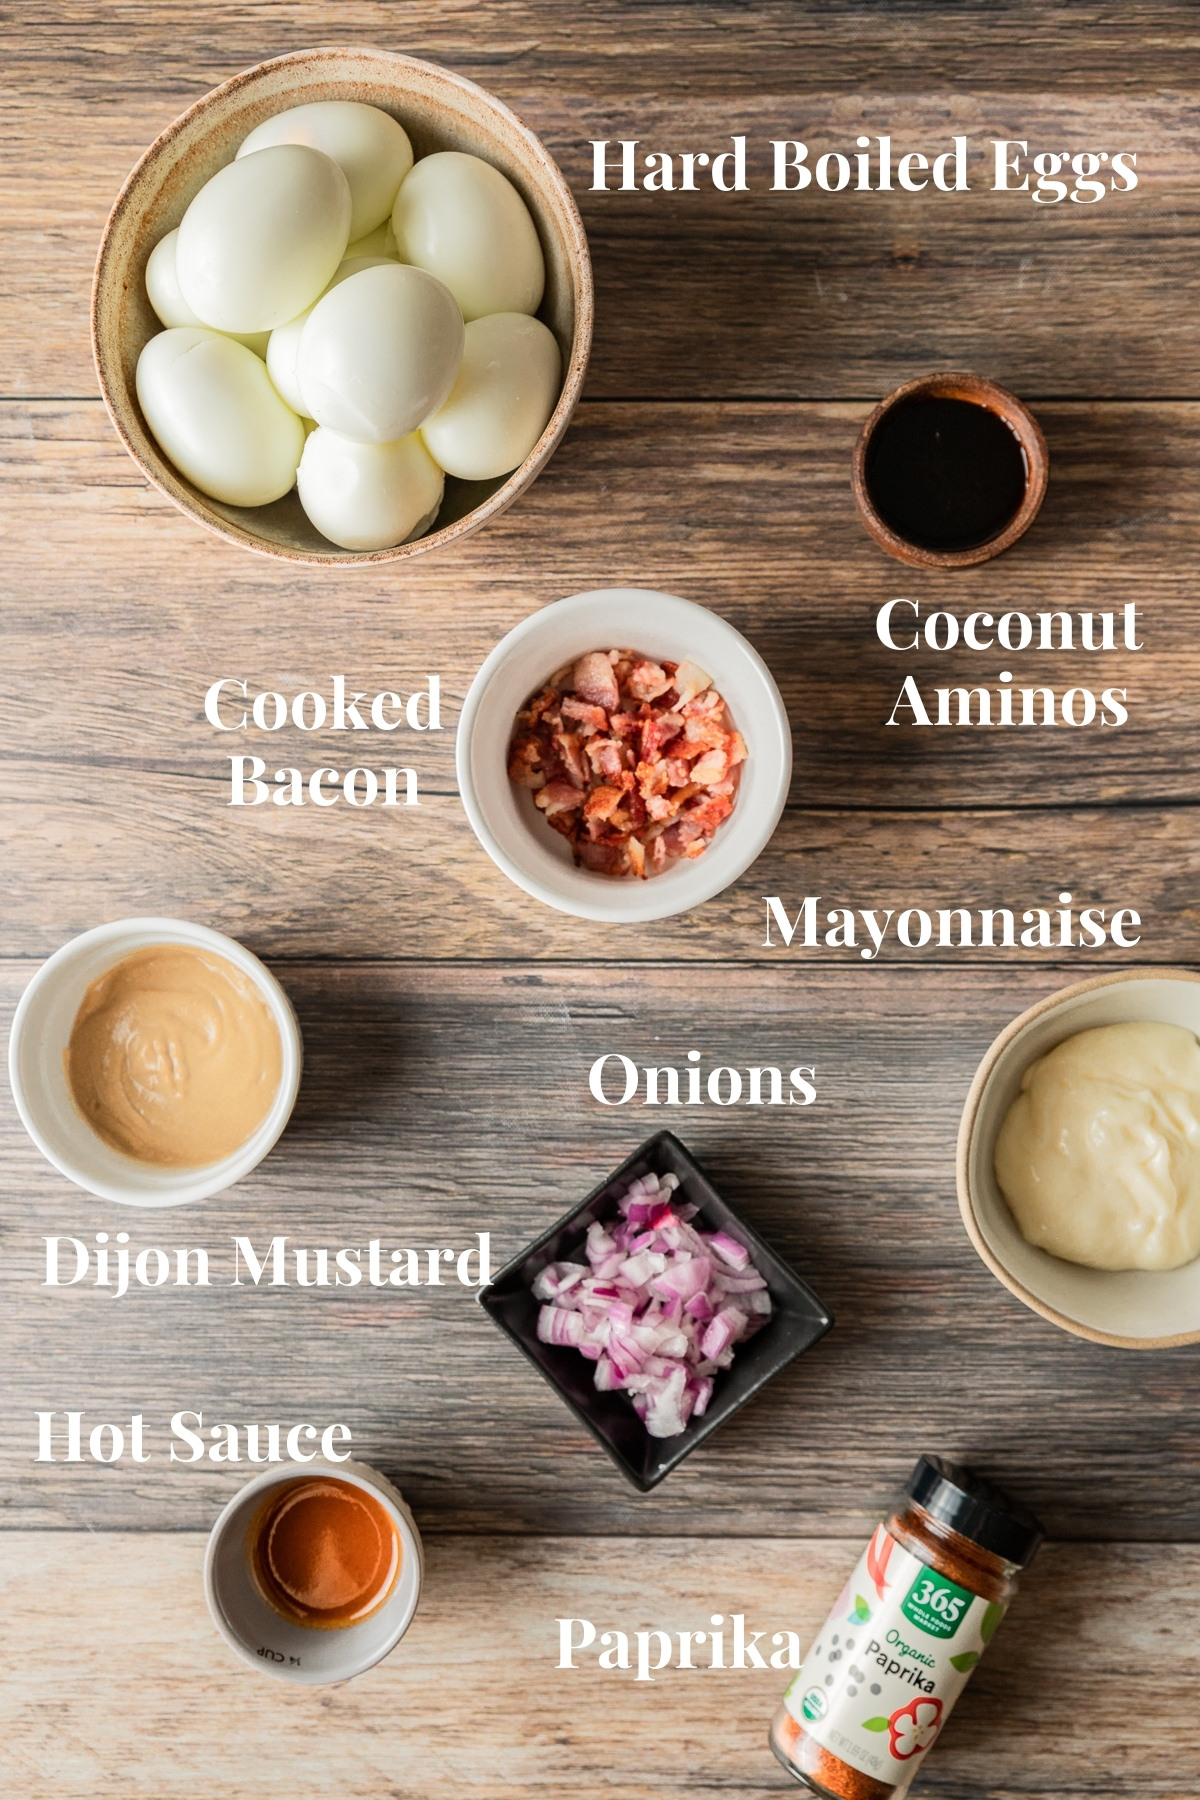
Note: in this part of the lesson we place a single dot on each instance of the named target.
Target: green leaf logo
(876, 1724)
(990, 1620)
(862, 1611)
(965, 1661)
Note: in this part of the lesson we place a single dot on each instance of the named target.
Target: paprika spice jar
(898, 1648)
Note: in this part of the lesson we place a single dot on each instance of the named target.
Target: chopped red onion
(659, 1306)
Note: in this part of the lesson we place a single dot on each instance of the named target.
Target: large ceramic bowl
(1136, 1309)
(440, 111)
(41, 1031)
(505, 819)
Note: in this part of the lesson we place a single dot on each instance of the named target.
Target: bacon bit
(570, 755)
(712, 766)
(559, 796)
(691, 680)
(633, 761)
(602, 802)
(647, 681)
(594, 680)
(591, 718)
(525, 763)
(606, 756)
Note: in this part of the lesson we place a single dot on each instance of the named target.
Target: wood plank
(753, 294)
(440, 1102)
(132, 1692)
(137, 610)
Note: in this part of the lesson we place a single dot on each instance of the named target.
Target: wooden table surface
(450, 1022)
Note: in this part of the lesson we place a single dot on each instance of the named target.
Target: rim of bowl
(189, 500)
(957, 384)
(966, 1133)
(357, 1474)
(211, 1178)
(598, 912)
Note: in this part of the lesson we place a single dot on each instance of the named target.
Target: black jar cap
(975, 1509)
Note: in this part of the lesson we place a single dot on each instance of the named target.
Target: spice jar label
(890, 1661)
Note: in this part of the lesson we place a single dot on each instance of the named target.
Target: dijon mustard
(174, 1057)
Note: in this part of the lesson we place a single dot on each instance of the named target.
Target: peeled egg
(507, 385)
(370, 148)
(165, 296)
(368, 496)
(379, 353)
(283, 343)
(465, 222)
(261, 240)
(211, 406)
(380, 242)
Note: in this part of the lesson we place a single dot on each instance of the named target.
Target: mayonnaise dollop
(1099, 1155)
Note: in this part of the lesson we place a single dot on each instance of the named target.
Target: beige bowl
(440, 111)
(1135, 1309)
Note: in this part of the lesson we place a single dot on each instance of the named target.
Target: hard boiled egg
(380, 242)
(166, 297)
(379, 353)
(506, 389)
(369, 146)
(283, 344)
(261, 240)
(368, 496)
(461, 219)
(211, 406)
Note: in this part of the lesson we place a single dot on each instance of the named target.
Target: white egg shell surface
(166, 297)
(368, 496)
(465, 222)
(370, 147)
(380, 242)
(211, 406)
(379, 353)
(506, 390)
(283, 344)
(262, 239)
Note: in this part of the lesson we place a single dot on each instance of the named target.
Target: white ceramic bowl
(41, 1031)
(262, 1637)
(504, 818)
(1135, 1309)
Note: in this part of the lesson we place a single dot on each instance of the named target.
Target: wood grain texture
(440, 1102)
(448, 1713)
(450, 1024)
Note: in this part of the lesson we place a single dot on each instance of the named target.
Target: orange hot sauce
(325, 1554)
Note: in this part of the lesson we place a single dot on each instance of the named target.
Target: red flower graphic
(912, 1728)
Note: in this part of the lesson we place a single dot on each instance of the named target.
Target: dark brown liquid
(945, 474)
(324, 1553)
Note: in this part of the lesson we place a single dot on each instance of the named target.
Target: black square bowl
(797, 1322)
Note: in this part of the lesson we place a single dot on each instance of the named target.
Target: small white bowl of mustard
(154, 1061)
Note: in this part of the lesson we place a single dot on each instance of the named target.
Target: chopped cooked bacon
(634, 762)
(602, 802)
(647, 681)
(525, 762)
(594, 680)
(712, 766)
(559, 796)
(590, 718)
(606, 756)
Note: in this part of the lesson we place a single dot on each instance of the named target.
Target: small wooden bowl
(1133, 1309)
(1016, 415)
(440, 111)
